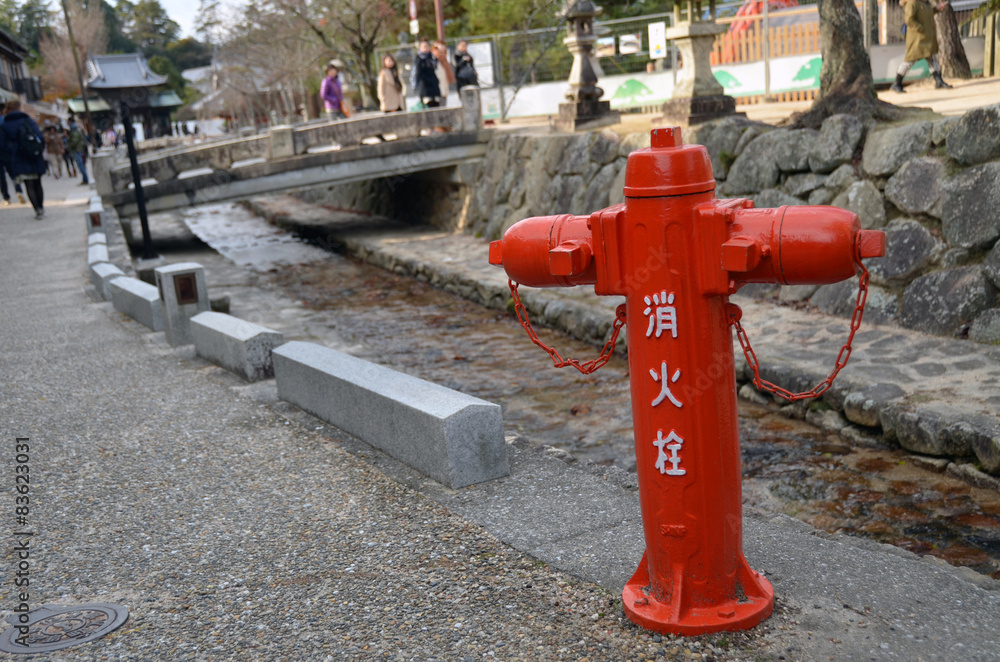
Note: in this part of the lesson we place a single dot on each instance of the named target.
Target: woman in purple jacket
(332, 94)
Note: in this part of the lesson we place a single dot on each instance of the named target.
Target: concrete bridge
(297, 157)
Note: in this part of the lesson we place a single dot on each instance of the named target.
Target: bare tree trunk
(846, 84)
(951, 53)
(847, 69)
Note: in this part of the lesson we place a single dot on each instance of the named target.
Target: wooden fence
(747, 45)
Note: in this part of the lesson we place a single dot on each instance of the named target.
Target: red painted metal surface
(676, 253)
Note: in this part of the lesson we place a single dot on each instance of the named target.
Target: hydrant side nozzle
(496, 253)
(871, 243)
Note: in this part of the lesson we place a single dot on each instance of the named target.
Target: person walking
(53, 151)
(4, 172)
(67, 157)
(424, 77)
(921, 40)
(21, 140)
(332, 94)
(391, 97)
(445, 74)
(465, 67)
(77, 145)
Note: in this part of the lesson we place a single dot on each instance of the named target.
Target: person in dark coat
(425, 79)
(921, 40)
(465, 67)
(26, 168)
(4, 192)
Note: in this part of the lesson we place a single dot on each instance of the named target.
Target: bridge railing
(283, 142)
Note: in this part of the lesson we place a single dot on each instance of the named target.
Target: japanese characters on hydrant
(676, 253)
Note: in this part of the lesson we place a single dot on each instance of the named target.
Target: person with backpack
(4, 191)
(77, 146)
(21, 140)
(465, 67)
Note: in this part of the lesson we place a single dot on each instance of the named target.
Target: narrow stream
(788, 466)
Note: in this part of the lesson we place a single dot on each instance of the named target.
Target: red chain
(587, 367)
(842, 357)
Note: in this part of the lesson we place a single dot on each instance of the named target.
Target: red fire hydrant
(676, 253)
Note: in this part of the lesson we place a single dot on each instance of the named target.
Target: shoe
(939, 82)
(20, 198)
(40, 214)
(898, 85)
(84, 184)
(5, 203)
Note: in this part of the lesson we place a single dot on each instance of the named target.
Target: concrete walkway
(238, 528)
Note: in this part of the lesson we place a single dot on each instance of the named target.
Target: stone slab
(138, 300)
(179, 307)
(97, 253)
(97, 238)
(94, 220)
(101, 275)
(234, 344)
(452, 437)
(695, 110)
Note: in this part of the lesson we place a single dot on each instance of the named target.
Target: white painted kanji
(672, 444)
(665, 383)
(662, 314)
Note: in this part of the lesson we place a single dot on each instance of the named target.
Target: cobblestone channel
(788, 465)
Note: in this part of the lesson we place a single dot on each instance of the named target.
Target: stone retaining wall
(933, 185)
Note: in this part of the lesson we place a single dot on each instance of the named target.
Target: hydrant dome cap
(668, 168)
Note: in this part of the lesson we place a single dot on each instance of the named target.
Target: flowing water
(788, 466)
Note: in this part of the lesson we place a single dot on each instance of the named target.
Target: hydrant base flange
(753, 603)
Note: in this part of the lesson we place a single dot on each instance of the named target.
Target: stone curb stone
(97, 253)
(454, 438)
(236, 345)
(178, 310)
(138, 300)
(862, 406)
(97, 238)
(101, 275)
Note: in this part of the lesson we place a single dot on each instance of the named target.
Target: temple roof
(109, 72)
(167, 99)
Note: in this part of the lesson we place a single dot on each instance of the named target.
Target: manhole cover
(53, 627)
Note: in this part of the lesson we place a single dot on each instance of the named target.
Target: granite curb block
(97, 238)
(454, 438)
(234, 344)
(101, 275)
(98, 253)
(138, 300)
(184, 293)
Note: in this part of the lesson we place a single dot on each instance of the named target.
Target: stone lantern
(697, 97)
(584, 109)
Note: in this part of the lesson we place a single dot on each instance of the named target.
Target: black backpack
(28, 142)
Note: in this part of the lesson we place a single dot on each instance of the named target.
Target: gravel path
(233, 532)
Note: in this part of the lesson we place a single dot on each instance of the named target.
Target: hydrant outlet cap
(668, 167)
